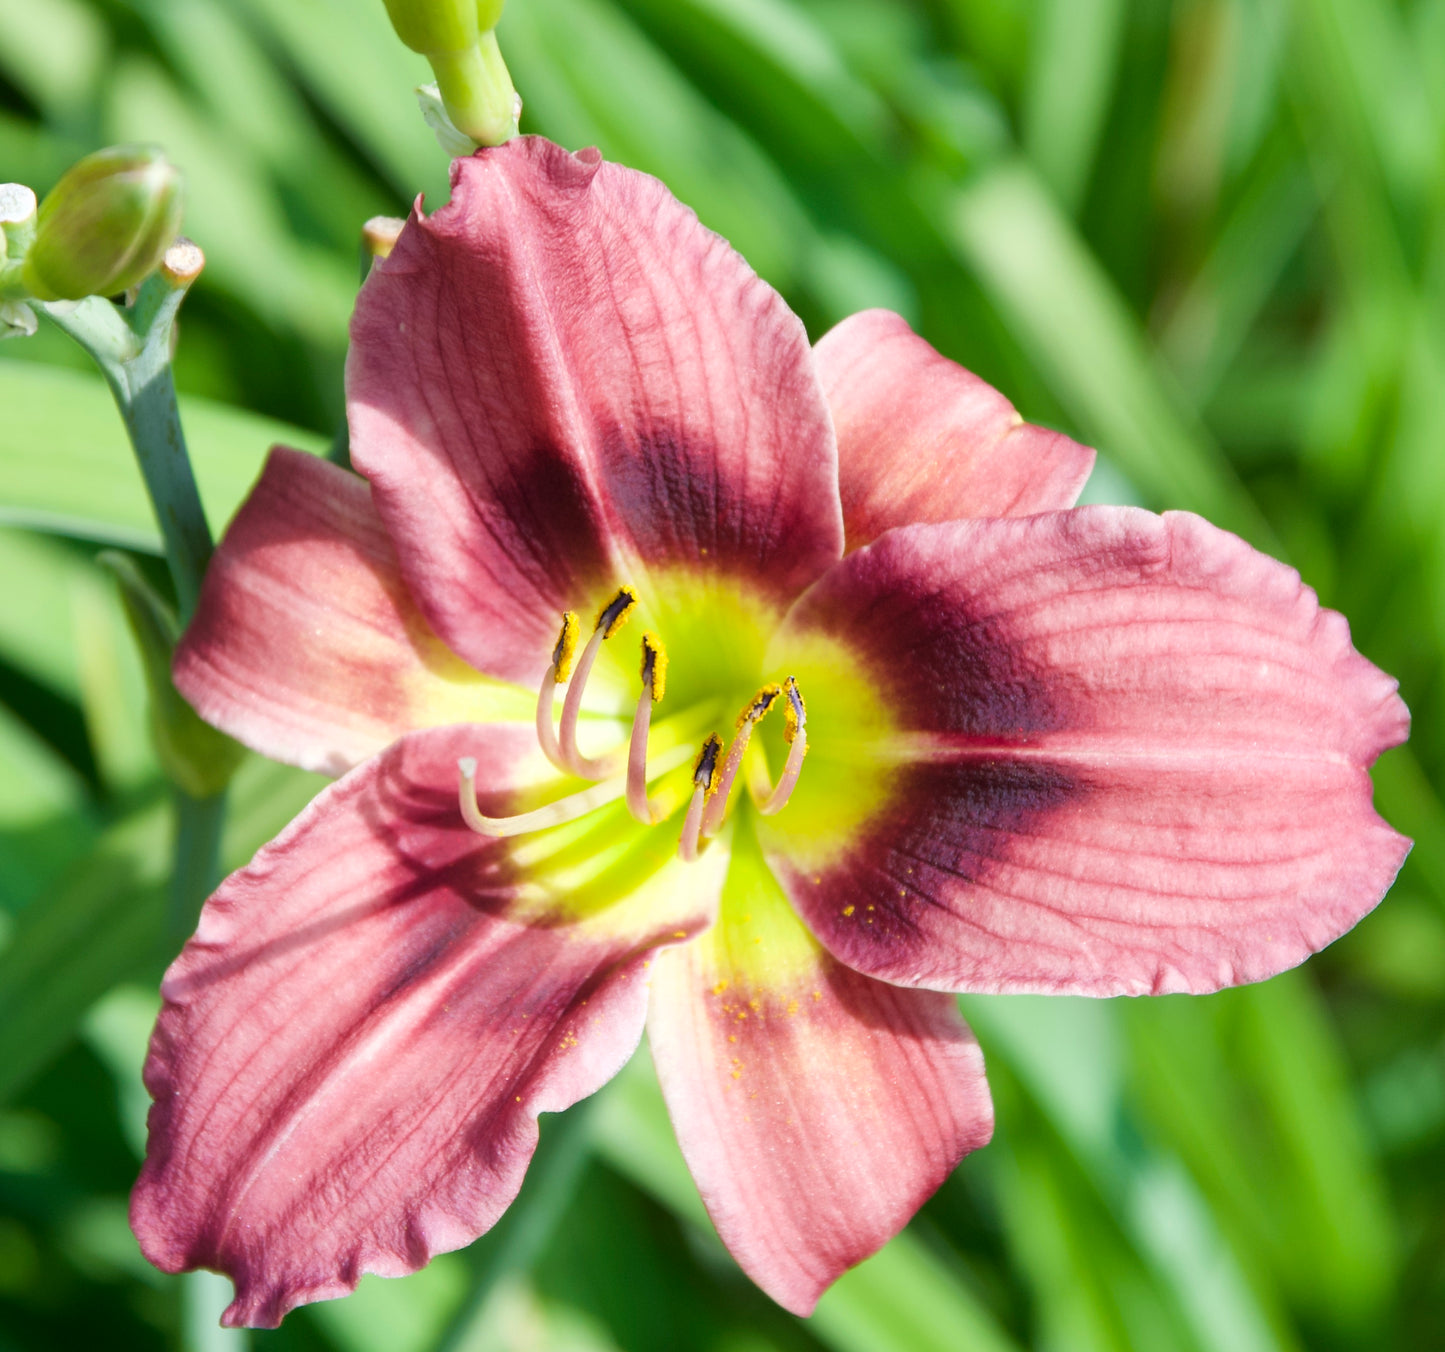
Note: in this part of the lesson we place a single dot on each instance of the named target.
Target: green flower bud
(489, 14)
(105, 226)
(428, 26)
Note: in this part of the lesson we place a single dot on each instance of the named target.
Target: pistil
(654, 682)
(717, 805)
(551, 814)
(704, 779)
(795, 733)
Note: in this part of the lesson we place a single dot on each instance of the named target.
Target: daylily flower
(1091, 751)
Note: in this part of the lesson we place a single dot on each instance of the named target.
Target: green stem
(135, 359)
(133, 350)
(518, 1239)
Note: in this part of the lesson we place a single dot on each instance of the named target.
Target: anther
(704, 781)
(795, 732)
(610, 619)
(718, 804)
(614, 614)
(654, 681)
(563, 653)
(566, 648)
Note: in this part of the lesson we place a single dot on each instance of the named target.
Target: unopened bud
(428, 26)
(105, 226)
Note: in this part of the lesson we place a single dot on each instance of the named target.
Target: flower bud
(428, 26)
(105, 226)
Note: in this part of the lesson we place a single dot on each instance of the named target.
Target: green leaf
(1249, 1087)
(903, 1299)
(1066, 312)
(45, 818)
(37, 630)
(1069, 1054)
(1208, 325)
(102, 921)
(251, 98)
(356, 68)
(234, 213)
(65, 464)
(1073, 60)
(590, 77)
(54, 51)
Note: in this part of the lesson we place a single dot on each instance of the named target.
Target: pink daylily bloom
(1048, 749)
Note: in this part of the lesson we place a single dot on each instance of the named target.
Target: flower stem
(133, 351)
(132, 347)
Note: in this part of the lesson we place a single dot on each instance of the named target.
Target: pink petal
(306, 645)
(1134, 752)
(560, 380)
(921, 439)
(818, 1109)
(356, 1043)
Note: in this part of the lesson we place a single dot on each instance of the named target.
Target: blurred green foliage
(1207, 236)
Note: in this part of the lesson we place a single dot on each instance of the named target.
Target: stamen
(562, 655)
(704, 779)
(796, 734)
(610, 619)
(718, 804)
(552, 814)
(566, 649)
(654, 681)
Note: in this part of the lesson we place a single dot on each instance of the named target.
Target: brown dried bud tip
(183, 262)
(379, 235)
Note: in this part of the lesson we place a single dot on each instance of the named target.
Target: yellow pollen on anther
(705, 768)
(795, 714)
(614, 614)
(565, 651)
(654, 666)
(758, 705)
